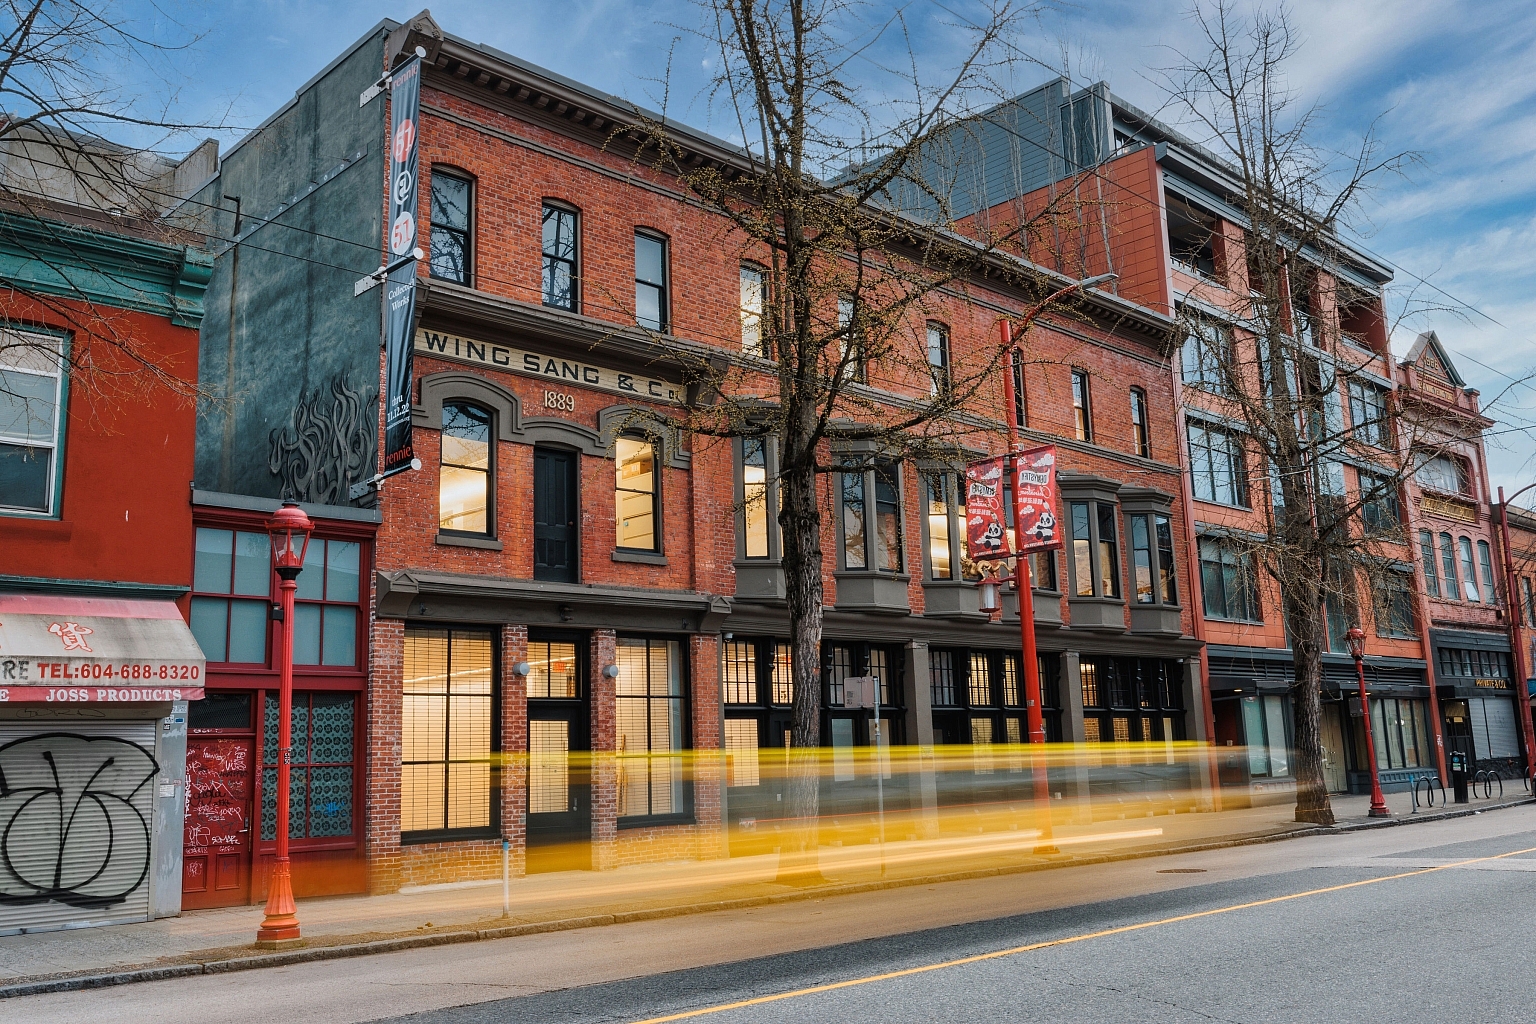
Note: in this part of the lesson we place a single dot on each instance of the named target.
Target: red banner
(986, 532)
(1037, 500)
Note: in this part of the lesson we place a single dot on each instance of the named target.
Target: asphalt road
(1404, 924)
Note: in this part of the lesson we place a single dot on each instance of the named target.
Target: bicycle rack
(1429, 792)
(1486, 779)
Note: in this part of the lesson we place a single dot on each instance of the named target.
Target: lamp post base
(281, 925)
(1379, 812)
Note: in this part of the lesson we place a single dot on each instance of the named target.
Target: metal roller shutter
(76, 809)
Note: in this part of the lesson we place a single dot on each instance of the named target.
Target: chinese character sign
(1038, 526)
(986, 532)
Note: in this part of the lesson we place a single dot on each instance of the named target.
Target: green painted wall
(299, 372)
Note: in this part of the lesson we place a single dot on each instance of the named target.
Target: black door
(559, 788)
(554, 515)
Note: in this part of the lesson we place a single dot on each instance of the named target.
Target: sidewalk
(212, 940)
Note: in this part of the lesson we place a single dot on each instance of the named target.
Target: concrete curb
(75, 983)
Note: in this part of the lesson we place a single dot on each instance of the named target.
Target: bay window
(1095, 549)
(871, 517)
(1152, 558)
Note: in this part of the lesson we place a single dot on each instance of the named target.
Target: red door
(216, 861)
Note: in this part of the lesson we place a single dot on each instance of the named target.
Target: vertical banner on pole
(1037, 500)
(986, 519)
(400, 286)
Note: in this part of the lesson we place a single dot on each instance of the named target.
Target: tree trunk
(1304, 621)
(800, 522)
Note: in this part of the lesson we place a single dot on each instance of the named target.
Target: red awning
(87, 649)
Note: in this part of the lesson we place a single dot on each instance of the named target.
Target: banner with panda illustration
(987, 534)
(1039, 529)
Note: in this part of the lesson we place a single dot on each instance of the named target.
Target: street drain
(1181, 871)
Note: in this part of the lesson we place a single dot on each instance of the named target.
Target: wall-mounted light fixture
(522, 668)
(611, 671)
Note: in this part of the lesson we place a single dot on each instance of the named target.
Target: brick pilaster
(605, 783)
(382, 807)
(514, 745)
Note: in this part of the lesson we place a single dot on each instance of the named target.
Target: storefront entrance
(559, 759)
(216, 860)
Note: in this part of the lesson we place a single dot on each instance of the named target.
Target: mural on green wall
(328, 444)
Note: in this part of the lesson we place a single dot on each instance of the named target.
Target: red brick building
(565, 586)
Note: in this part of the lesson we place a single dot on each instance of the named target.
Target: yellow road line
(998, 954)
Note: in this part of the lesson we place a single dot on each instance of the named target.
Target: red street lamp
(1356, 640)
(289, 529)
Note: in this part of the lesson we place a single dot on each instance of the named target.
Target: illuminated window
(552, 669)
(872, 529)
(464, 490)
(758, 495)
(447, 734)
(651, 729)
(1152, 559)
(635, 494)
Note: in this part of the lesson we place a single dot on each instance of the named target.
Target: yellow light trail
(1015, 950)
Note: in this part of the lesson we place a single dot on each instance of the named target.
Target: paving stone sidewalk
(457, 912)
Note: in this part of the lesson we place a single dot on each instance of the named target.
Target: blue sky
(1451, 81)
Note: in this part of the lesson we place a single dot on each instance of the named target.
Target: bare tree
(845, 199)
(68, 74)
(1307, 344)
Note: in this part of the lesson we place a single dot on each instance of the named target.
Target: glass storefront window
(447, 732)
(650, 712)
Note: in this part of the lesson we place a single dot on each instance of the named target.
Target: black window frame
(1161, 562)
(1368, 415)
(1141, 423)
(493, 828)
(682, 755)
(1082, 405)
(773, 542)
(465, 236)
(1428, 557)
(1097, 515)
(1234, 453)
(572, 263)
(1394, 606)
(663, 289)
(1219, 601)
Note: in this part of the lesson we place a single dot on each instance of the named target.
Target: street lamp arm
(1027, 318)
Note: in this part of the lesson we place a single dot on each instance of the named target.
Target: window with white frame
(31, 421)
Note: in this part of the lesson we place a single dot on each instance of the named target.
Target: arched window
(464, 482)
